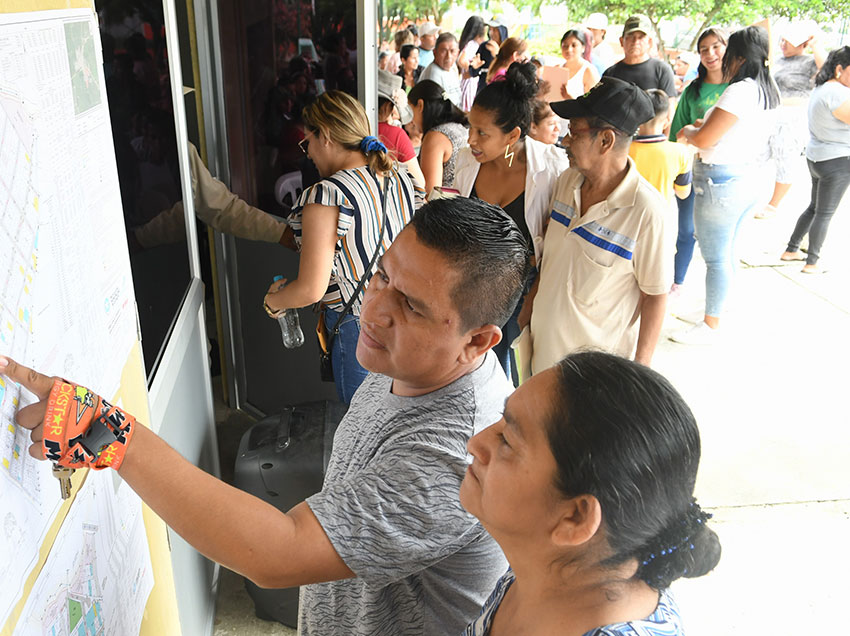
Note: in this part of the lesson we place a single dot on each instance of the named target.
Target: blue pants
(348, 374)
(510, 332)
(725, 196)
(685, 240)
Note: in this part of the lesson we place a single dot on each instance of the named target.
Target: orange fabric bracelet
(81, 429)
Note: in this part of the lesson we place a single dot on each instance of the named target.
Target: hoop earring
(509, 156)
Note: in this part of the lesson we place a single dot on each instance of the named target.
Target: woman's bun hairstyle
(510, 99)
(686, 548)
(620, 432)
(521, 79)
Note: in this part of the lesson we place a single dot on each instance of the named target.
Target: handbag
(326, 339)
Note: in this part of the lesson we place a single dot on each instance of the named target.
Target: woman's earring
(509, 156)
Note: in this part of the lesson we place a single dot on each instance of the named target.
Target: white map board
(66, 308)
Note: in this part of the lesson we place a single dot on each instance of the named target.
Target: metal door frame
(209, 57)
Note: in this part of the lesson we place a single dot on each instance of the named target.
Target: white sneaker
(699, 334)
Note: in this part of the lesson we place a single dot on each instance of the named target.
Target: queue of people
(502, 252)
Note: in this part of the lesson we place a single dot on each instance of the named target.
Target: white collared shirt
(595, 267)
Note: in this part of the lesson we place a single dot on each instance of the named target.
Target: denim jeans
(685, 240)
(348, 374)
(830, 179)
(510, 332)
(724, 196)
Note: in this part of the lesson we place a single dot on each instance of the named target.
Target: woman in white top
(505, 167)
(828, 155)
(732, 142)
(583, 75)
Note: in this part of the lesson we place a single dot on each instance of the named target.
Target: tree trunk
(661, 48)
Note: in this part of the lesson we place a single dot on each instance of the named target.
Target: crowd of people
(528, 219)
(477, 117)
(583, 162)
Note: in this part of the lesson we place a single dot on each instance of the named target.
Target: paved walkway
(775, 431)
(776, 441)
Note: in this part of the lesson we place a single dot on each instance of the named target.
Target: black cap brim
(570, 108)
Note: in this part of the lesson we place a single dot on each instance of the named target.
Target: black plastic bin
(282, 460)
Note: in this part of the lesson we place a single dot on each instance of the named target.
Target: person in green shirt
(697, 98)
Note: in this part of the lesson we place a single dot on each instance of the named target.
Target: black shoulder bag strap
(360, 285)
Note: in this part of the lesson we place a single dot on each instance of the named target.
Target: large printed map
(29, 499)
(98, 583)
(68, 311)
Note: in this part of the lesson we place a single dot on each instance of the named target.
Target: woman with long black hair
(731, 143)
(444, 132)
(469, 61)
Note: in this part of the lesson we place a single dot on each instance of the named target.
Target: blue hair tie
(371, 144)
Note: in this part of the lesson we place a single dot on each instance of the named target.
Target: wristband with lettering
(81, 429)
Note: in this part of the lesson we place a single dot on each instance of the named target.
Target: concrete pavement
(770, 401)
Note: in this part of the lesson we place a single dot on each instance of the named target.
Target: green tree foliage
(416, 9)
(703, 12)
(392, 12)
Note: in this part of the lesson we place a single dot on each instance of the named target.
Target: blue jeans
(725, 196)
(685, 240)
(830, 179)
(348, 374)
(510, 332)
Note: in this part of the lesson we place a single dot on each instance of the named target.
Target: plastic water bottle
(290, 327)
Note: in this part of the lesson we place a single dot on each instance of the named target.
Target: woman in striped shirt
(337, 223)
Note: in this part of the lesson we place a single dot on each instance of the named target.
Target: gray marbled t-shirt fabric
(795, 76)
(390, 507)
(458, 134)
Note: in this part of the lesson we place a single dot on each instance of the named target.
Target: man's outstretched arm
(229, 526)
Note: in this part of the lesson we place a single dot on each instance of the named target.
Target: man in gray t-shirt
(390, 513)
(389, 507)
(795, 75)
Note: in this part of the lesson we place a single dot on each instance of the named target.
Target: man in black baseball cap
(604, 270)
(616, 102)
